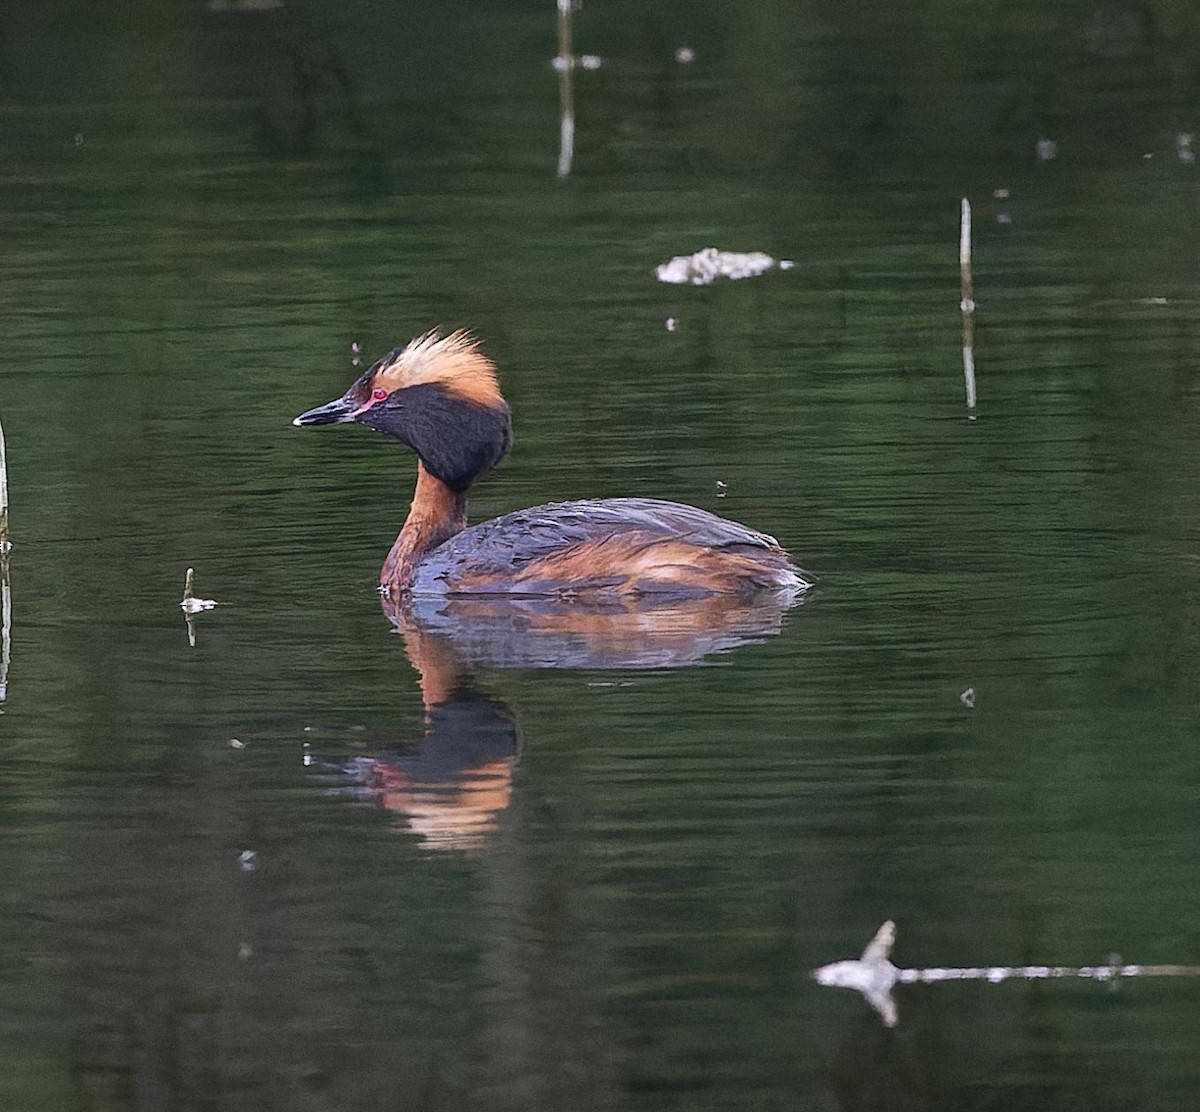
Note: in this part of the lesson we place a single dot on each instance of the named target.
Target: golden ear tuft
(453, 362)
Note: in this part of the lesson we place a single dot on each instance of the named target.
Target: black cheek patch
(456, 440)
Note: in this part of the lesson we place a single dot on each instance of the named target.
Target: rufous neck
(437, 513)
(435, 663)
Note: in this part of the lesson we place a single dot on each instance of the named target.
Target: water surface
(431, 876)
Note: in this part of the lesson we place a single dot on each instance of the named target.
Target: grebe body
(610, 545)
(440, 396)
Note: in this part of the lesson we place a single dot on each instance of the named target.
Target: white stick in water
(5, 585)
(191, 605)
(967, 302)
(875, 976)
(565, 64)
(5, 540)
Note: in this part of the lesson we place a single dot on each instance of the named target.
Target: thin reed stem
(5, 538)
(566, 90)
(967, 302)
(5, 582)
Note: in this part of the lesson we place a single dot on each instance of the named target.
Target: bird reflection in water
(454, 783)
(562, 632)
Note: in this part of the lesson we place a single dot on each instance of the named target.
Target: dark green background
(199, 213)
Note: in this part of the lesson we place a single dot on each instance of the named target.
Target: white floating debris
(308, 757)
(875, 976)
(1000, 194)
(672, 324)
(1183, 147)
(235, 744)
(707, 265)
(685, 55)
(248, 860)
(1046, 150)
(721, 489)
(190, 604)
(967, 698)
(195, 605)
(245, 951)
(564, 63)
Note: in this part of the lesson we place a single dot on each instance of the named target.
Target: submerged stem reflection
(5, 583)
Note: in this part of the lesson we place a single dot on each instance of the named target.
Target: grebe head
(439, 395)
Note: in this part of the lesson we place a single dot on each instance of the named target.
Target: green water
(201, 212)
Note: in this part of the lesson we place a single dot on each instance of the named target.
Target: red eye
(378, 394)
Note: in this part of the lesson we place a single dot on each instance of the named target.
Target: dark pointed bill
(333, 413)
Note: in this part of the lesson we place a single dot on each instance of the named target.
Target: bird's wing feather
(536, 532)
(508, 544)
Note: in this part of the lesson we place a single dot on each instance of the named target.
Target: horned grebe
(439, 395)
